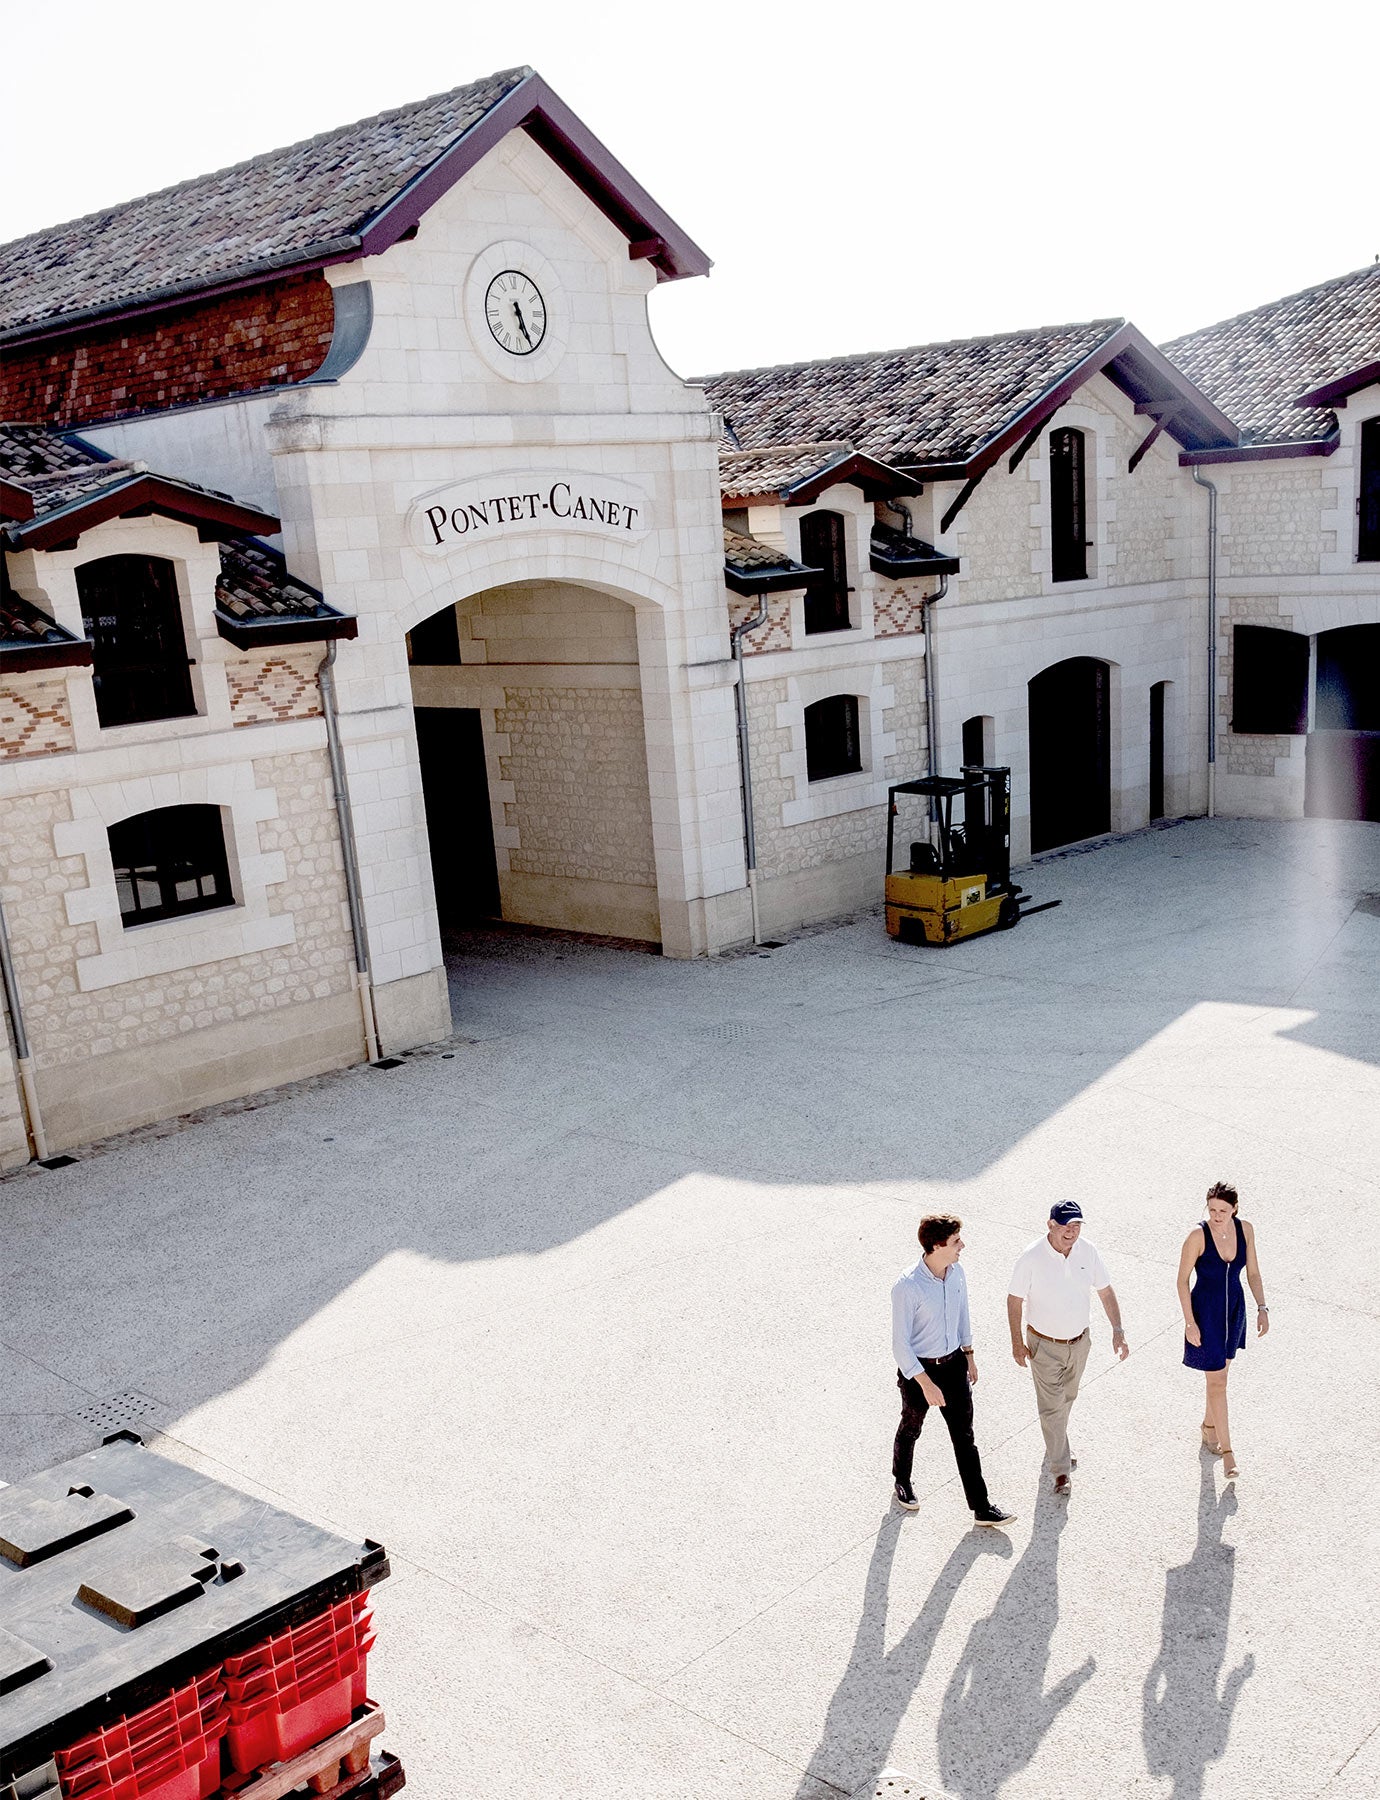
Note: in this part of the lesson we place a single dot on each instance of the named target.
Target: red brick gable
(237, 343)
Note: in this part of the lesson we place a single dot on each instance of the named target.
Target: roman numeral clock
(515, 312)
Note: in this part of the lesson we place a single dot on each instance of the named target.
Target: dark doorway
(1157, 749)
(459, 824)
(1342, 773)
(975, 736)
(1070, 753)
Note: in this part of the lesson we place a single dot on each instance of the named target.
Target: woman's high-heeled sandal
(1210, 1440)
(1229, 1466)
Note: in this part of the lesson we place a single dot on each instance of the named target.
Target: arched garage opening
(1070, 752)
(1342, 772)
(528, 705)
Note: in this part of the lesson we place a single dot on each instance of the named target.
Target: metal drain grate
(118, 1411)
(728, 1032)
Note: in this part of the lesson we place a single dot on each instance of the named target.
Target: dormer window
(1068, 513)
(826, 595)
(133, 619)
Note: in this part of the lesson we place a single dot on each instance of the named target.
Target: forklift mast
(987, 821)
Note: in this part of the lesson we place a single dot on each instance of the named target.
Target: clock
(515, 312)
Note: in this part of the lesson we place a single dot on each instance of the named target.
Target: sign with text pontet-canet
(518, 502)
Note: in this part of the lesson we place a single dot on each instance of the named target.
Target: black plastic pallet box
(124, 1575)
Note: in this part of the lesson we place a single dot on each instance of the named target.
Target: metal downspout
(28, 1093)
(325, 679)
(33, 1118)
(738, 633)
(931, 709)
(1212, 643)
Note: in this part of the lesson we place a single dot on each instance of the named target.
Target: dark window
(831, 737)
(1348, 687)
(1068, 512)
(131, 614)
(1157, 694)
(435, 641)
(1269, 685)
(1368, 538)
(974, 742)
(170, 861)
(826, 595)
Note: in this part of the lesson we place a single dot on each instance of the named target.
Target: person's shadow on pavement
(1186, 1722)
(996, 1707)
(878, 1685)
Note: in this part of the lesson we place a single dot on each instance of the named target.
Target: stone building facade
(382, 575)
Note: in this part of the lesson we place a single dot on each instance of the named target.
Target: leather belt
(1054, 1340)
(937, 1362)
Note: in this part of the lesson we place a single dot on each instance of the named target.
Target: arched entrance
(528, 706)
(1342, 772)
(1070, 753)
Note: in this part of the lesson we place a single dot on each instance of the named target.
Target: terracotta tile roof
(30, 639)
(1255, 365)
(49, 472)
(750, 566)
(933, 403)
(254, 584)
(271, 212)
(259, 602)
(745, 474)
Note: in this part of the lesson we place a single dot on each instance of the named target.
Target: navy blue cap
(1066, 1212)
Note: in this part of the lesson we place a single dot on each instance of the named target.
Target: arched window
(1368, 497)
(822, 548)
(170, 861)
(1068, 513)
(132, 616)
(833, 745)
(978, 741)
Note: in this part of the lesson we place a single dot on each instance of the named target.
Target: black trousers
(950, 1375)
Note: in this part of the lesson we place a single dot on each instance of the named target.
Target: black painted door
(1070, 753)
(1157, 750)
(459, 824)
(1342, 773)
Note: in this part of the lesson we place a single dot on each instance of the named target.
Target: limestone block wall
(1142, 524)
(814, 867)
(274, 684)
(580, 819)
(35, 717)
(112, 1054)
(1270, 518)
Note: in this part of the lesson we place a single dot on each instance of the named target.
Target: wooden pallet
(337, 1766)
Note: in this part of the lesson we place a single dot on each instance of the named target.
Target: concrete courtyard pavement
(587, 1320)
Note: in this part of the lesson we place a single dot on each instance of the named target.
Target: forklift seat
(924, 859)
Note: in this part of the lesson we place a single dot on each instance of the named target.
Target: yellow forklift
(958, 879)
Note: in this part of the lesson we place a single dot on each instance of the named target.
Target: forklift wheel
(1010, 913)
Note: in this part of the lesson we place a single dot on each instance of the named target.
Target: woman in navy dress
(1215, 1256)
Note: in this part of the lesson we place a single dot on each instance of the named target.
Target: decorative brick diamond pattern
(898, 611)
(275, 687)
(35, 719)
(774, 635)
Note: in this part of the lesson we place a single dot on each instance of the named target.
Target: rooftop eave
(67, 653)
(252, 634)
(1339, 390)
(766, 581)
(211, 514)
(1235, 453)
(911, 568)
(878, 480)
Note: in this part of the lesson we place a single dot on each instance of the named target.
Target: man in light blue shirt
(935, 1366)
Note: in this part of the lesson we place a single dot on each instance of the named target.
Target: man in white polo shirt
(1053, 1280)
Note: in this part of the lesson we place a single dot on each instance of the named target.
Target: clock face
(516, 312)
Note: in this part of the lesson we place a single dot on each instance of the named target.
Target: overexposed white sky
(862, 177)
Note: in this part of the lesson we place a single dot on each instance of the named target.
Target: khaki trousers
(1058, 1369)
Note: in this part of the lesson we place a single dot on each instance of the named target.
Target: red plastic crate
(198, 1782)
(343, 1624)
(151, 1750)
(277, 1731)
